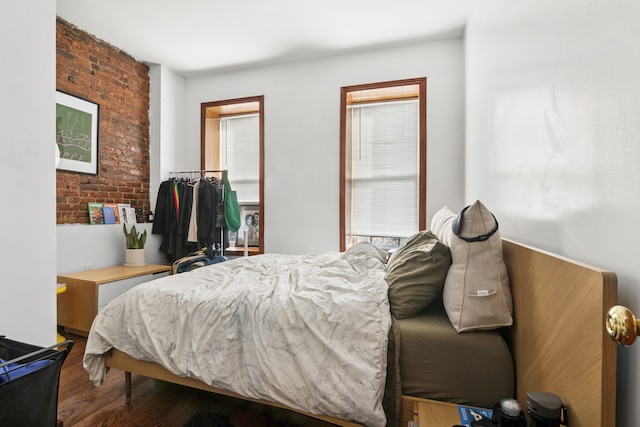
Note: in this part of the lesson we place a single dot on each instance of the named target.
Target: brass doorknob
(622, 325)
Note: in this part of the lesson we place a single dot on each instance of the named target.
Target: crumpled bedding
(308, 331)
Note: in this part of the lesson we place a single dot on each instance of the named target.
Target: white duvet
(306, 331)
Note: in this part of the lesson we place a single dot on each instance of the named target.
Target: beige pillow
(476, 291)
(416, 273)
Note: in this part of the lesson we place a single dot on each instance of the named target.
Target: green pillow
(416, 274)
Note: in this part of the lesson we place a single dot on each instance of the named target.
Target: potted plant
(135, 254)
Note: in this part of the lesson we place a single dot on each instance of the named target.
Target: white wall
(166, 115)
(27, 217)
(88, 247)
(553, 122)
(302, 140)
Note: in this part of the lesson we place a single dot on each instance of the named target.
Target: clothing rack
(196, 173)
(202, 173)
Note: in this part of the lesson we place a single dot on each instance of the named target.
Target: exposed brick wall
(93, 70)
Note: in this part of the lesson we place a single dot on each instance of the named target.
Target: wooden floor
(153, 402)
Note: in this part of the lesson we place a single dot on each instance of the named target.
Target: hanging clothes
(174, 215)
(164, 221)
(192, 235)
(210, 214)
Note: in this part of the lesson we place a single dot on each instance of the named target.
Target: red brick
(94, 70)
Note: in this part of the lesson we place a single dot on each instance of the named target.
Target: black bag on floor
(29, 380)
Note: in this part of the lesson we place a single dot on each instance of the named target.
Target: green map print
(73, 133)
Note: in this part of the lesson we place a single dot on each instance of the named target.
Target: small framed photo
(250, 225)
(77, 134)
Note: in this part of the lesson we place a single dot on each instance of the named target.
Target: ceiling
(193, 37)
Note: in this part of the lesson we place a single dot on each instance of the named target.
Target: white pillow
(476, 292)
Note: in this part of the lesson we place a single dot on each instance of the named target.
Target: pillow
(476, 292)
(364, 257)
(416, 273)
(366, 249)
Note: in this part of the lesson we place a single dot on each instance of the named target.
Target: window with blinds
(239, 154)
(383, 148)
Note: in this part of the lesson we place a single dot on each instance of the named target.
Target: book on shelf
(139, 213)
(122, 212)
(95, 213)
(109, 215)
(114, 206)
(129, 215)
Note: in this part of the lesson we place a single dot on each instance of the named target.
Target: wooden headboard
(559, 341)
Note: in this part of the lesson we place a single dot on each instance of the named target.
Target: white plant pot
(135, 258)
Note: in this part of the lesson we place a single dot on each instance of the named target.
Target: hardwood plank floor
(153, 402)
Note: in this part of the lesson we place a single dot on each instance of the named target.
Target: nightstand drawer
(87, 291)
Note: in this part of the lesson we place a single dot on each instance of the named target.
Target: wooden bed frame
(559, 340)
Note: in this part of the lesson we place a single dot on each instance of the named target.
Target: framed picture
(77, 134)
(250, 227)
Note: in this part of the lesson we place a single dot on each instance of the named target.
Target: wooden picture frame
(77, 134)
(250, 219)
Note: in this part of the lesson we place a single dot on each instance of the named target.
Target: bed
(557, 343)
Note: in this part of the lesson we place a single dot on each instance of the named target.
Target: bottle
(508, 413)
(150, 216)
(545, 410)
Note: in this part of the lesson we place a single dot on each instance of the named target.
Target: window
(233, 140)
(239, 154)
(383, 162)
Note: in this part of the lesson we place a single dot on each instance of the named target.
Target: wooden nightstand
(87, 291)
(434, 413)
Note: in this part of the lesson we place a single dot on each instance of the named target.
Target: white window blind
(239, 154)
(382, 183)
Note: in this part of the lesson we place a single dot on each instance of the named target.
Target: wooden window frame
(422, 103)
(231, 107)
